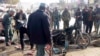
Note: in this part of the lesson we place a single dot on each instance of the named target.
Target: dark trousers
(22, 31)
(89, 26)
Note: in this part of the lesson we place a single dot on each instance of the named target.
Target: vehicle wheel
(61, 40)
(83, 41)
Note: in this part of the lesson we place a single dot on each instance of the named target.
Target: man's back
(38, 30)
(6, 20)
(38, 27)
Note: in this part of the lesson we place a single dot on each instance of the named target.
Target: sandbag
(15, 37)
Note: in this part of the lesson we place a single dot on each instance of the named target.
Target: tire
(61, 40)
(84, 41)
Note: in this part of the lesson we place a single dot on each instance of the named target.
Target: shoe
(72, 42)
(64, 51)
(17, 47)
(12, 43)
(7, 44)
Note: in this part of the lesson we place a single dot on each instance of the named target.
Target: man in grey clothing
(6, 24)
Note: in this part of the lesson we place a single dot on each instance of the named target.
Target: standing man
(38, 29)
(78, 16)
(49, 13)
(21, 20)
(85, 17)
(90, 20)
(7, 26)
(66, 18)
(97, 19)
(56, 18)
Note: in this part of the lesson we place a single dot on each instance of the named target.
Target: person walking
(38, 29)
(21, 20)
(7, 26)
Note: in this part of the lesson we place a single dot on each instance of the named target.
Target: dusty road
(90, 51)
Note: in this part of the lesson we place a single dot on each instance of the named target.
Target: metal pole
(88, 3)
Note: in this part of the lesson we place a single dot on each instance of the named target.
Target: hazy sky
(45, 1)
(28, 3)
(39, 1)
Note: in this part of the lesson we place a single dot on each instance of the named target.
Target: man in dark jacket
(90, 20)
(78, 16)
(21, 20)
(85, 17)
(38, 29)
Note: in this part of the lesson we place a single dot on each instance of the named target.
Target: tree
(15, 1)
(11, 1)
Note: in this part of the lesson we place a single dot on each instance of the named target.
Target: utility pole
(11, 3)
(67, 4)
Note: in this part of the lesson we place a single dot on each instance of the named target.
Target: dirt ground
(90, 51)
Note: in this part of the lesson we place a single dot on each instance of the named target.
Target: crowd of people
(41, 22)
(88, 17)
